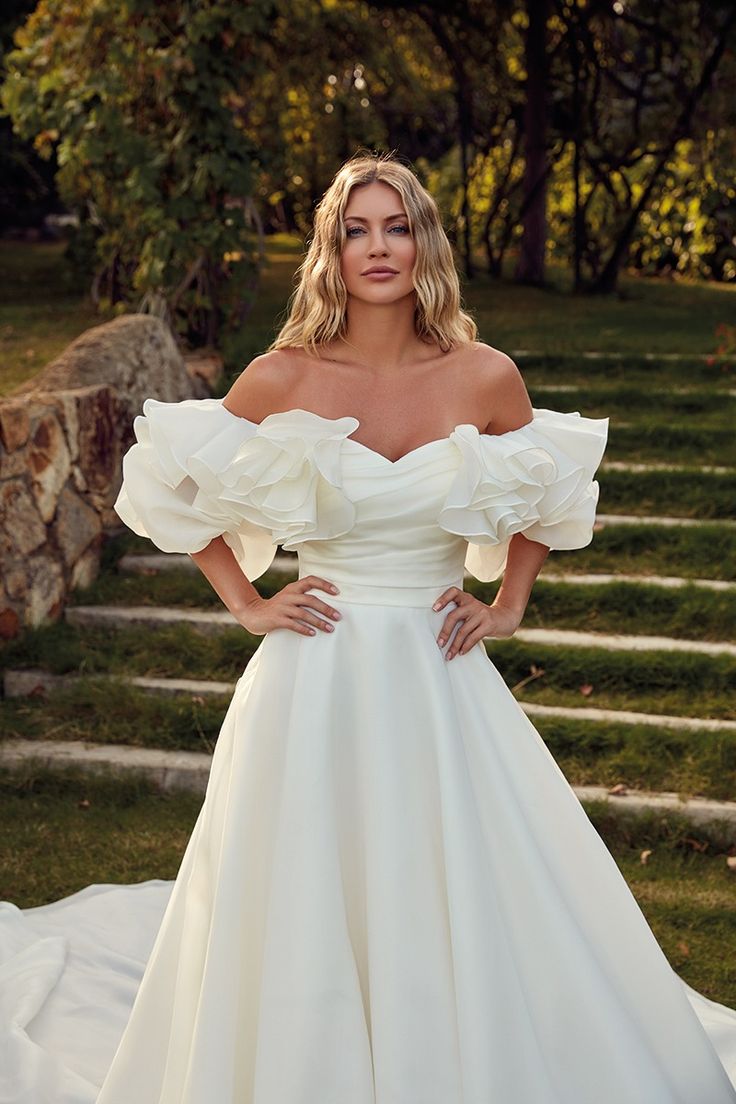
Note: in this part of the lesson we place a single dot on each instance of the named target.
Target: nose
(378, 247)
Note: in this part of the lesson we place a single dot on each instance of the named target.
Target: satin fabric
(391, 894)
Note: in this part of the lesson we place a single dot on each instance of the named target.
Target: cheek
(350, 263)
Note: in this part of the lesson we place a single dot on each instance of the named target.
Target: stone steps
(655, 465)
(212, 621)
(170, 561)
(602, 520)
(26, 682)
(189, 770)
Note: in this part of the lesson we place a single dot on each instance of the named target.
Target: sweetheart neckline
(367, 448)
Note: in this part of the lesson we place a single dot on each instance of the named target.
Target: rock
(136, 353)
(49, 463)
(76, 525)
(22, 529)
(62, 439)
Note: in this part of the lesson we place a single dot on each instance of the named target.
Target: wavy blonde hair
(317, 308)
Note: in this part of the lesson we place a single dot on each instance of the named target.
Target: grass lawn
(44, 308)
(60, 832)
(690, 612)
(643, 757)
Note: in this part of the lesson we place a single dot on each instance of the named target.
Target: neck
(381, 336)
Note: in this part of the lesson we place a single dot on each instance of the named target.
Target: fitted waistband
(372, 595)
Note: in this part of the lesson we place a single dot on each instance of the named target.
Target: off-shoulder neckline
(366, 448)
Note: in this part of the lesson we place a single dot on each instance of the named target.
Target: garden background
(165, 159)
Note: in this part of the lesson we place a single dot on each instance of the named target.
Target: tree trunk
(607, 280)
(530, 267)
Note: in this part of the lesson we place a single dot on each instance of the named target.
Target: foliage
(184, 131)
(146, 109)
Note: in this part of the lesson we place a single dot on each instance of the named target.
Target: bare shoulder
(501, 391)
(263, 385)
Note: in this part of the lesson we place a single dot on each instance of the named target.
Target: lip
(380, 270)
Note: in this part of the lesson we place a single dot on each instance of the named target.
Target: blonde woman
(391, 894)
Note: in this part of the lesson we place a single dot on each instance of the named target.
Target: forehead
(376, 199)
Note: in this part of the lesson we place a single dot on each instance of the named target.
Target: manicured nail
(436, 606)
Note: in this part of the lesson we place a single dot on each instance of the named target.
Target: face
(377, 235)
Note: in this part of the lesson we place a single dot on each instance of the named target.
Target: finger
(297, 626)
(465, 639)
(451, 621)
(303, 614)
(471, 640)
(447, 596)
(312, 600)
(308, 581)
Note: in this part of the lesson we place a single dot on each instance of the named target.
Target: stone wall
(62, 439)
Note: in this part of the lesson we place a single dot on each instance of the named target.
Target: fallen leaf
(586, 690)
(84, 803)
(619, 789)
(683, 948)
(731, 862)
(644, 857)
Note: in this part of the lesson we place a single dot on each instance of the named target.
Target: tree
(143, 104)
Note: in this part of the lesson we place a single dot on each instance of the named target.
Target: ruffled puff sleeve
(536, 480)
(198, 471)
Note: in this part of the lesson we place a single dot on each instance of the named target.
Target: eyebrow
(388, 218)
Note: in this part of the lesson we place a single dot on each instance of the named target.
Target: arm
(258, 391)
(219, 566)
(524, 562)
(504, 394)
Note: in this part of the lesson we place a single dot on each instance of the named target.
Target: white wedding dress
(391, 894)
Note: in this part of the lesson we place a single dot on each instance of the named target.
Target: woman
(391, 893)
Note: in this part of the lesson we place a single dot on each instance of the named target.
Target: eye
(398, 226)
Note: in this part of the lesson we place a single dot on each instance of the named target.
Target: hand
(474, 620)
(289, 608)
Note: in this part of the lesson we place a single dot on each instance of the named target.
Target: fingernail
(436, 606)
(334, 588)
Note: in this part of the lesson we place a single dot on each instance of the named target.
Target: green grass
(686, 494)
(684, 889)
(172, 652)
(105, 711)
(643, 316)
(642, 406)
(52, 844)
(625, 369)
(677, 683)
(687, 445)
(61, 831)
(643, 757)
(702, 552)
(170, 587)
(44, 308)
(690, 612)
(680, 683)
